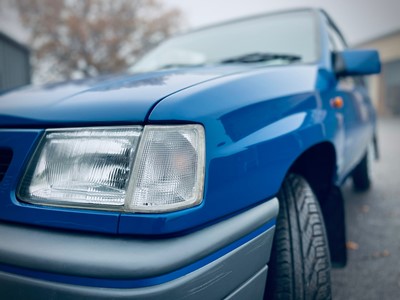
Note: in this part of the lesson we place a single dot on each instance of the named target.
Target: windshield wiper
(178, 65)
(260, 57)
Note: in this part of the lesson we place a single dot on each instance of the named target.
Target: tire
(360, 175)
(300, 266)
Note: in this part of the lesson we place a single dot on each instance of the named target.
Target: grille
(5, 160)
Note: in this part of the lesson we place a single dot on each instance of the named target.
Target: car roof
(250, 17)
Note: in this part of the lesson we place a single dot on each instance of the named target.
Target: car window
(285, 33)
(336, 39)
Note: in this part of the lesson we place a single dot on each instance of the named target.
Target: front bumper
(224, 260)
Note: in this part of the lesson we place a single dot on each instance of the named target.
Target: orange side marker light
(337, 102)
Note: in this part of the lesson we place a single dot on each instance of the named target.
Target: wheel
(300, 264)
(360, 175)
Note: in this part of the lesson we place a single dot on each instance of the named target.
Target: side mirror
(356, 62)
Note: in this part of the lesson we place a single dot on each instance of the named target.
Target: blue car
(211, 170)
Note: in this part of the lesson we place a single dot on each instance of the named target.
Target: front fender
(251, 143)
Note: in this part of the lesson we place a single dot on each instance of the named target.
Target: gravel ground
(373, 227)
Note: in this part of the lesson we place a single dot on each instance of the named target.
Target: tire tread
(303, 271)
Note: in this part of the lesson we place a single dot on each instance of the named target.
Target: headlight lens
(86, 167)
(106, 168)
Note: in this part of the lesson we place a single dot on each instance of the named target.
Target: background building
(385, 88)
(14, 63)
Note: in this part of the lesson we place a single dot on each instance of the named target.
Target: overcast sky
(360, 20)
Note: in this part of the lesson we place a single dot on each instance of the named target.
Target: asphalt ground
(373, 227)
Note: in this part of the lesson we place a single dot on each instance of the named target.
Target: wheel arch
(318, 165)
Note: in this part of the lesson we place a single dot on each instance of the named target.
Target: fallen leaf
(352, 245)
(365, 209)
(384, 253)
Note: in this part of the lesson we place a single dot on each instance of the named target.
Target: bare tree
(79, 38)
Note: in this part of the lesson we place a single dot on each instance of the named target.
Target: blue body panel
(257, 123)
(123, 99)
(249, 148)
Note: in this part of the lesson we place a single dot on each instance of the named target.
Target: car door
(356, 108)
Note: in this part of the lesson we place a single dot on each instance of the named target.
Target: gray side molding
(113, 257)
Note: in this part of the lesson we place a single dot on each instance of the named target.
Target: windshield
(278, 37)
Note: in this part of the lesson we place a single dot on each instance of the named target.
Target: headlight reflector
(84, 167)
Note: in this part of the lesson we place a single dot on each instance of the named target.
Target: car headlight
(130, 169)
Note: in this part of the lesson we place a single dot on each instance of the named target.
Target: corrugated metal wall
(14, 63)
